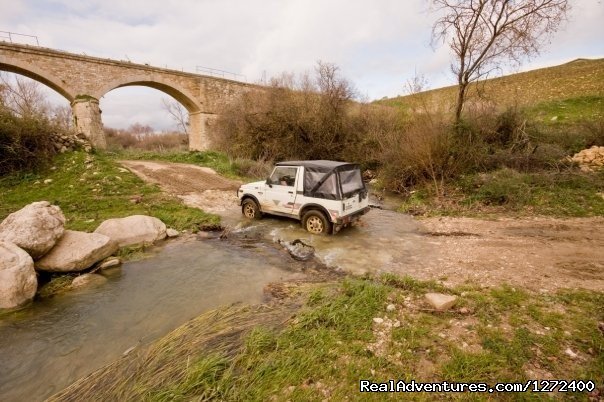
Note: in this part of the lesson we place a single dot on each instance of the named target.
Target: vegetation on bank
(499, 158)
(323, 350)
(92, 188)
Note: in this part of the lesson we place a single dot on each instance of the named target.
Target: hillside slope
(576, 79)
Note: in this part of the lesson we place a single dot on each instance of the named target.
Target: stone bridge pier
(84, 80)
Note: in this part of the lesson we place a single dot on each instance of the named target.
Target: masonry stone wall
(83, 80)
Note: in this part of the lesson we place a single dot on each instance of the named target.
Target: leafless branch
(485, 34)
(178, 113)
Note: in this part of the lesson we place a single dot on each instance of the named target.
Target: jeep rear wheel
(250, 209)
(316, 222)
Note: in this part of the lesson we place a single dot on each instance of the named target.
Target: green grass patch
(506, 191)
(324, 349)
(568, 111)
(89, 192)
(547, 193)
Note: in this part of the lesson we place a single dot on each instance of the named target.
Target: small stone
(464, 345)
(396, 324)
(441, 302)
(390, 307)
(570, 353)
(378, 320)
(464, 310)
(172, 232)
(110, 262)
(442, 335)
(47, 181)
(88, 279)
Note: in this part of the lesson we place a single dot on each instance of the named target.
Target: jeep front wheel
(316, 222)
(250, 209)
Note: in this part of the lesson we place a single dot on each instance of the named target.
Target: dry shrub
(305, 117)
(250, 168)
(422, 150)
(25, 142)
(136, 138)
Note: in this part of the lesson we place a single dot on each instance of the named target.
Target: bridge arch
(181, 95)
(31, 71)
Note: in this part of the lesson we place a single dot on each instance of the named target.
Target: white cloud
(378, 45)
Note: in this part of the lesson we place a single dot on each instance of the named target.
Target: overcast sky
(378, 44)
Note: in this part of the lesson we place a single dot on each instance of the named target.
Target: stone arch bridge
(83, 80)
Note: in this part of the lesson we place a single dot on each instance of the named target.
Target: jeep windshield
(330, 180)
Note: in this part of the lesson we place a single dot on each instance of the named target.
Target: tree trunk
(461, 98)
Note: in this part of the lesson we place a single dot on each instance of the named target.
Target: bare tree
(178, 113)
(62, 115)
(484, 34)
(22, 96)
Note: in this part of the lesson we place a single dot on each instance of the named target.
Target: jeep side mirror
(268, 181)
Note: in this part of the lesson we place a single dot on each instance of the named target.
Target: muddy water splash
(383, 241)
(50, 344)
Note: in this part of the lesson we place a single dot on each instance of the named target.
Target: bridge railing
(13, 37)
(220, 73)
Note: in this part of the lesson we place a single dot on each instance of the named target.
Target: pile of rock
(590, 159)
(70, 142)
(34, 238)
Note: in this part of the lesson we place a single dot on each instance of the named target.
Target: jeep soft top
(317, 181)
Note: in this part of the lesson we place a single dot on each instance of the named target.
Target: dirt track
(197, 186)
(535, 253)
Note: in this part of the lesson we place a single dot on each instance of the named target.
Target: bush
(255, 169)
(25, 142)
(306, 118)
(505, 186)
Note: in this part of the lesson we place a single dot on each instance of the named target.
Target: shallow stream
(55, 341)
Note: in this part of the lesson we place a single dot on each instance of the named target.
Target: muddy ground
(540, 254)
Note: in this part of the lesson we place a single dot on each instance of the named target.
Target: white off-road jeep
(324, 195)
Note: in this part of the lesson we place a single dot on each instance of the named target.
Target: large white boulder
(133, 230)
(35, 228)
(18, 282)
(76, 251)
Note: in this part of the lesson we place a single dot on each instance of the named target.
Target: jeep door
(280, 191)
